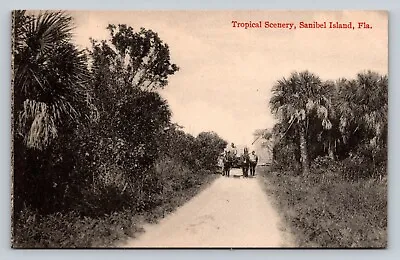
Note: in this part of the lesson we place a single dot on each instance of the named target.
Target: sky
(226, 73)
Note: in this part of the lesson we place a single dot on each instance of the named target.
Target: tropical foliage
(50, 77)
(342, 120)
(92, 136)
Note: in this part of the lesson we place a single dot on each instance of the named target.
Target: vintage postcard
(199, 129)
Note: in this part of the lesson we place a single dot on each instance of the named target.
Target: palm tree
(49, 77)
(363, 110)
(329, 134)
(294, 100)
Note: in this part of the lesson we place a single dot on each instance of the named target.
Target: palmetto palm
(49, 77)
(293, 101)
(363, 108)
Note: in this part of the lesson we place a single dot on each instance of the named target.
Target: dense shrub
(70, 230)
(285, 156)
(102, 226)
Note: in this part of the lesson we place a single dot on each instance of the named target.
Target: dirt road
(232, 212)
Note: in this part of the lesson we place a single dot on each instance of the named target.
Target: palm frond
(49, 29)
(51, 76)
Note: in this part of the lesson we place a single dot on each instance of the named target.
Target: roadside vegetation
(329, 175)
(94, 148)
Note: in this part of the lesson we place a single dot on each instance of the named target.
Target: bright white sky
(226, 73)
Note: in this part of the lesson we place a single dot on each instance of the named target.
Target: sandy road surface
(232, 212)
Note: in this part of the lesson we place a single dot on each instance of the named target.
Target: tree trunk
(303, 151)
(330, 151)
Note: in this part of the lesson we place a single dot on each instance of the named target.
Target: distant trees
(345, 119)
(209, 147)
(200, 152)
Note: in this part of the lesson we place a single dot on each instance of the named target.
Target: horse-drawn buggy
(245, 161)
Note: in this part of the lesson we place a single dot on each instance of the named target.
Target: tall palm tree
(294, 100)
(49, 77)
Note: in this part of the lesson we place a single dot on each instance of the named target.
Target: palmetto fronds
(363, 105)
(332, 118)
(295, 98)
(50, 76)
(41, 120)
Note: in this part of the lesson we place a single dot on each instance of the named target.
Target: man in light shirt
(233, 150)
(253, 163)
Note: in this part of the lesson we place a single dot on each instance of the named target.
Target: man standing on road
(253, 163)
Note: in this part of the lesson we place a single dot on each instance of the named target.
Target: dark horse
(245, 163)
(227, 162)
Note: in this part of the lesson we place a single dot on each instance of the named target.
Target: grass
(70, 230)
(325, 210)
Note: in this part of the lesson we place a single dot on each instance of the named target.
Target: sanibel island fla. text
(335, 25)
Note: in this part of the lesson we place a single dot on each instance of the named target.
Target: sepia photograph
(199, 129)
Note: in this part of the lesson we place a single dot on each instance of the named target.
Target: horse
(227, 162)
(245, 162)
